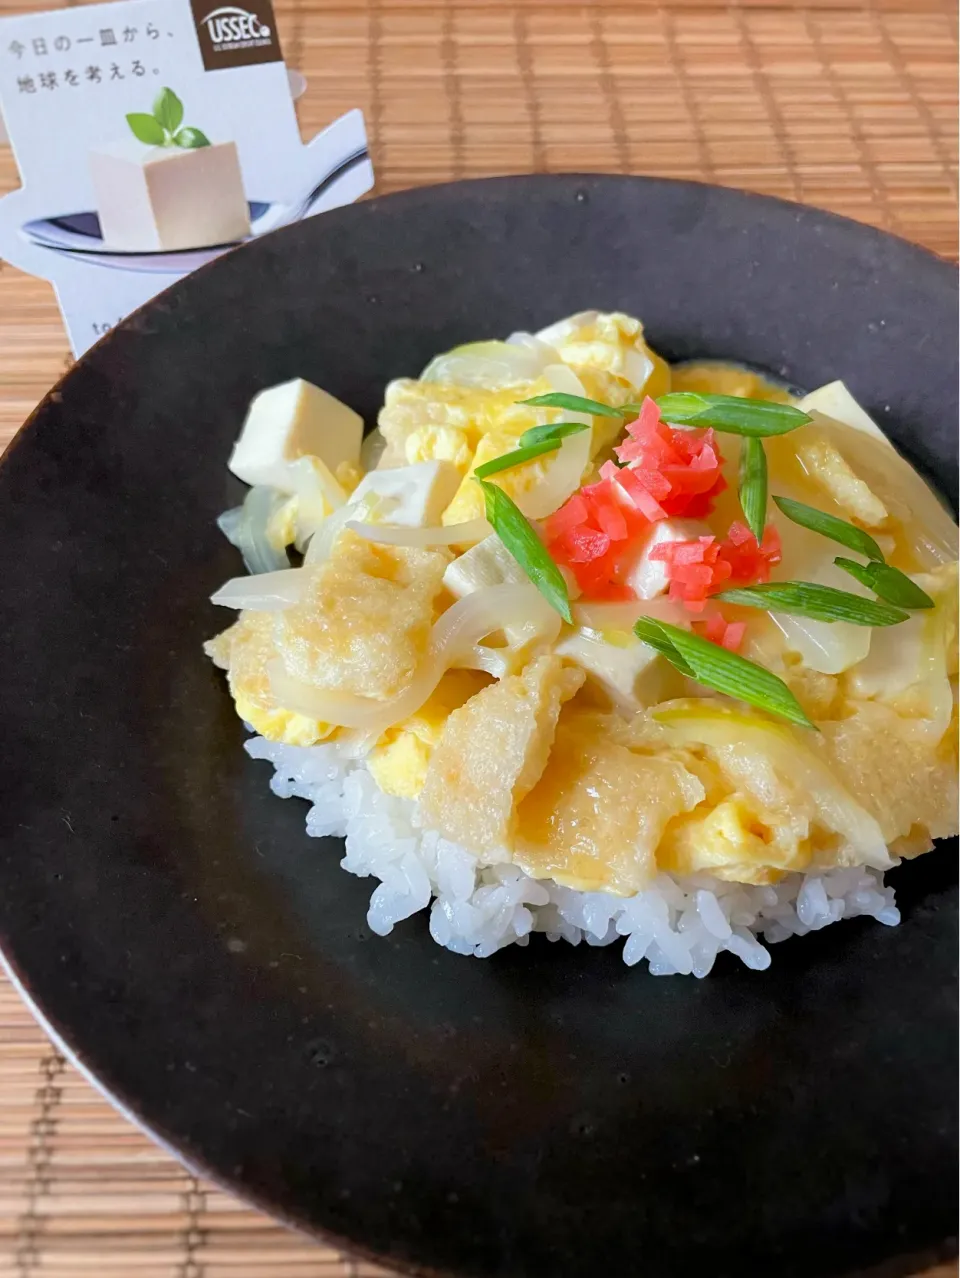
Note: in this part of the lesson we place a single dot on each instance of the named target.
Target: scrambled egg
(537, 768)
(430, 420)
(593, 342)
(400, 759)
(439, 443)
(455, 415)
(245, 652)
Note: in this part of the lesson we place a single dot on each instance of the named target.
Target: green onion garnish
(839, 530)
(649, 630)
(520, 538)
(734, 414)
(573, 404)
(721, 670)
(753, 486)
(515, 458)
(820, 603)
(553, 431)
(889, 583)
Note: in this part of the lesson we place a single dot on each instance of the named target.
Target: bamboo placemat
(842, 104)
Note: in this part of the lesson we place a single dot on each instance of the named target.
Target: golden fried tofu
(897, 769)
(400, 759)
(492, 753)
(595, 817)
(364, 622)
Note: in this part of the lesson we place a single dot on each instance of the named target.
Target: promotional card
(152, 136)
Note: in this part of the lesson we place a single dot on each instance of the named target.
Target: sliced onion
(907, 664)
(372, 449)
(562, 378)
(263, 592)
(565, 471)
(564, 329)
(540, 628)
(322, 542)
(929, 528)
(542, 350)
(746, 744)
(829, 647)
(836, 402)
(229, 525)
(454, 633)
(489, 365)
(622, 616)
(492, 661)
(637, 368)
(562, 478)
(259, 553)
(318, 495)
(468, 533)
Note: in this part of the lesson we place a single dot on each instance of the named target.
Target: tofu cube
(836, 402)
(420, 493)
(631, 673)
(158, 198)
(647, 577)
(289, 421)
(488, 563)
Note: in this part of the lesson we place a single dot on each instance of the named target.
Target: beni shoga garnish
(659, 472)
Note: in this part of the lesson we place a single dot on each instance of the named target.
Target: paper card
(152, 136)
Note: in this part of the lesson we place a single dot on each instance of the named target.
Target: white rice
(676, 925)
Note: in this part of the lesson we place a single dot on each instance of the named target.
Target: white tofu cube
(630, 674)
(647, 577)
(153, 198)
(289, 421)
(420, 493)
(488, 563)
(836, 402)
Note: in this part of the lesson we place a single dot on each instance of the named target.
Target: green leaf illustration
(191, 139)
(168, 110)
(146, 129)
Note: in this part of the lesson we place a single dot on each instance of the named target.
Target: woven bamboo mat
(844, 104)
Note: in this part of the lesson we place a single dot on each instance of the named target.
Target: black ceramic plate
(549, 1111)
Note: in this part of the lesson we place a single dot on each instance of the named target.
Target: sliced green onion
(753, 486)
(734, 414)
(554, 431)
(573, 404)
(721, 670)
(648, 630)
(839, 530)
(820, 603)
(515, 458)
(520, 538)
(889, 583)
